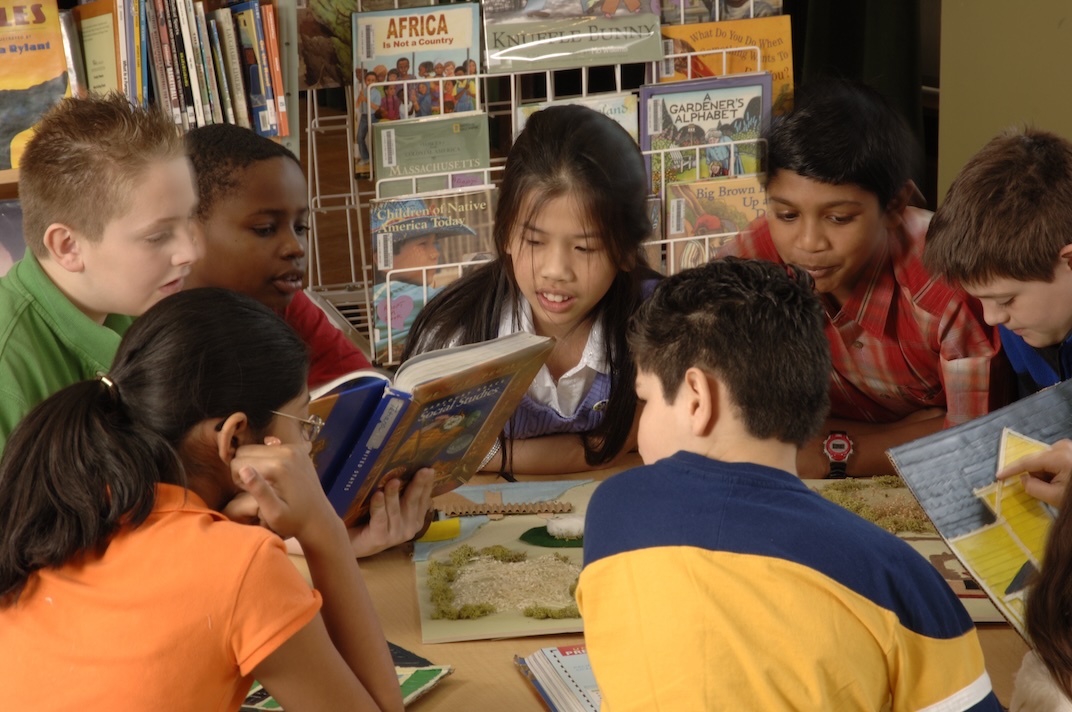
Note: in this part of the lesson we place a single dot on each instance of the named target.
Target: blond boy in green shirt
(107, 195)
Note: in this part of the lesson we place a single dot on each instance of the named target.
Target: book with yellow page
(33, 73)
(754, 44)
(996, 530)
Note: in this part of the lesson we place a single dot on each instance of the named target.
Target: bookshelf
(286, 19)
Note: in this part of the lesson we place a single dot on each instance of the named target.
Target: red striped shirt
(904, 340)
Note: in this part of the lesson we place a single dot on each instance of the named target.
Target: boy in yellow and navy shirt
(713, 578)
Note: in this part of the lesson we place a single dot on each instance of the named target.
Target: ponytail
(75, 470)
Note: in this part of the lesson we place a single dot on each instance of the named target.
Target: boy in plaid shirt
(911, 353)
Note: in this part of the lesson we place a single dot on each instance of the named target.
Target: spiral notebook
(563, 678)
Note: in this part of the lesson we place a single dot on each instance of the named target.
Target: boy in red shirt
(910, 352)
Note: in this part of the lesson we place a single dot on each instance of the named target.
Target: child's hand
(394, 520)
(282, 482)
(1048, 472)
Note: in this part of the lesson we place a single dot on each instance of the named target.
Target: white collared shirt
(568, 394)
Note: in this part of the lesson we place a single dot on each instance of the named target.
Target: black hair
(563, 150)
(86, 460)
(844, 132)
(1049, 601)
(219, 152)
(757, 326)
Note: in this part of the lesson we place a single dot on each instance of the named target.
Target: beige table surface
(485, 677)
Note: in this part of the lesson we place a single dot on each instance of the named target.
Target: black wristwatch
(837, 447)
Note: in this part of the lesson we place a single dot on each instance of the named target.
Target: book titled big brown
(443, 409)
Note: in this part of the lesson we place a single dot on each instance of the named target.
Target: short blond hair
(84, 161)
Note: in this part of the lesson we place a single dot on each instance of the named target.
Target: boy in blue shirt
(778, 599)
(1002, 233)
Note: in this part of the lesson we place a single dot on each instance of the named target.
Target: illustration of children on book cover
(439, 44)
(33, 73)
(714, 122)
(530, 35)
(422, 244)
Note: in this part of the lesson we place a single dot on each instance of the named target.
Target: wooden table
(484, 676)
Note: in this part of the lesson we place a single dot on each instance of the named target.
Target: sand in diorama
(542, 583)
(887, 502)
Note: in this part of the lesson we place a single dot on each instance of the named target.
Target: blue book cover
(445, 409)
(250, 35)
(345, 410)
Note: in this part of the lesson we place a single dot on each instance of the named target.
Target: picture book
(620, 106)
(703, 215)
(685, 125)
(422, 244)
(33, 74)
(563, 678)
(12, 244)
(437, 43)
(416, 676)
(997, 530)
(535, 35)
(756, 44)
(325, 40)
(430, 154)
(502, 575)
(443, 409)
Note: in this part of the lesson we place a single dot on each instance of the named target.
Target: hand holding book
(395, 516)
(443, 409)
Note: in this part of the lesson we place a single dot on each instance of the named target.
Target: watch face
(838, 447)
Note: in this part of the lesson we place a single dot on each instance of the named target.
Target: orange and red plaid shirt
(904, 340)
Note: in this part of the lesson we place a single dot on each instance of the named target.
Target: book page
(997, 531)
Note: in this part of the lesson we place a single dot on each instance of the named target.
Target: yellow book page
(1002, 555)
(33, 74)
(772, 35)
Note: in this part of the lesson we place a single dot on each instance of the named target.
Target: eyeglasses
(310, 427)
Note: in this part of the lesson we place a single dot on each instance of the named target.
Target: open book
(563, 678)
(443, 409)
(997, 530)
